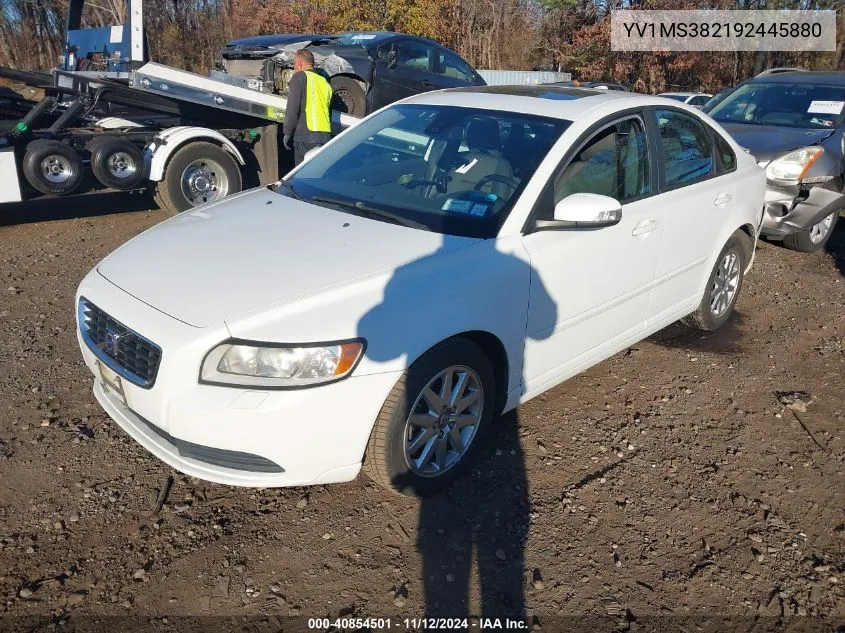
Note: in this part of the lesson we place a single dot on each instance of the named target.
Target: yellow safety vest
(318, 98)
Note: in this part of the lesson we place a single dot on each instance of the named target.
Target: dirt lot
(665, 487)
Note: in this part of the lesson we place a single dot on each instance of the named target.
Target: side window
(414, 55)
(454, 67)
(613, 163)
(687, 152)
(727, 158)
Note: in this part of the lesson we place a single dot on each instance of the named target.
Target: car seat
(482, 158)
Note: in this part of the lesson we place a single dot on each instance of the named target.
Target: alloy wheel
(204, 180)
(443, 421)
(725, 284)
(820, 230)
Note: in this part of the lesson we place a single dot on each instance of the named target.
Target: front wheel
(430, 426)
(198, 173)
(348, 96)
(722, 289)
(812, 239)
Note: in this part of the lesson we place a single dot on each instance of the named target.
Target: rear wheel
(52, 167)
(117, 163)
(198, 173)
(430, 426)
(812, 239)
(722, 289)
(348, 96)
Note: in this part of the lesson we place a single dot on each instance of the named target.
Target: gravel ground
(669, 486)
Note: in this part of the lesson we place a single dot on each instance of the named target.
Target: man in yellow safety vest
(308, 117)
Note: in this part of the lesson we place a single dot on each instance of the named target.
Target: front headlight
(248, 364)
(792, 167)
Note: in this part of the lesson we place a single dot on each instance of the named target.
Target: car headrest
(483, 133)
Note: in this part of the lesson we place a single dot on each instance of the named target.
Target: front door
(599, 280)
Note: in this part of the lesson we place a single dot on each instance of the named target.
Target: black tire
(203, 155)
(385, 460)
(52, 167)
(705, 316)
(806, 242)
(348, 96)
(117, 163)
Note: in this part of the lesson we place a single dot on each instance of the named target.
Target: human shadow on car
(485, 510)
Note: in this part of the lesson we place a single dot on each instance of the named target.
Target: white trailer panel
(10, 190)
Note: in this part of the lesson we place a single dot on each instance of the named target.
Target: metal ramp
(199, 89)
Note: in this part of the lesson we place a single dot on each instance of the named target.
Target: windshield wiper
(290, 188)
(372, 212)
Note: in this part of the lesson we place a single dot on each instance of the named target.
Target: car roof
(381, 36)
(683, 94)
(543, 100)
(802, 77)
(585, 84)
(270, 40)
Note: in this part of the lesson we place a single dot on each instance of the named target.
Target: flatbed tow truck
(189, 138)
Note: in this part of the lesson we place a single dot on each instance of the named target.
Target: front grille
(122, 349)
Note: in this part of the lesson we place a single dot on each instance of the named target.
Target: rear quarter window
(725, 153)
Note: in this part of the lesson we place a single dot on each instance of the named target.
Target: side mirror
(583, 211)
(310, 153)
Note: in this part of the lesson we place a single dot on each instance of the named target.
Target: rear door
(698, 193)
(403, 68)
(454, 72)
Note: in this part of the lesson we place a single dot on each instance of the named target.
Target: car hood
(767, 141)
(257, 250)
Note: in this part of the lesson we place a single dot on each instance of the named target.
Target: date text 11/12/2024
(416, 624)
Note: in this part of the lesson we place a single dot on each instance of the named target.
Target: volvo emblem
(112, 342)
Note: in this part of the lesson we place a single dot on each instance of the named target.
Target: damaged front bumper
(789, 210)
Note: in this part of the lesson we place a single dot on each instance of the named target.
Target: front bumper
(234, 436)
(785, 213)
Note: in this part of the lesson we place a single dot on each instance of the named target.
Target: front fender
(164, 145)
(404, 312)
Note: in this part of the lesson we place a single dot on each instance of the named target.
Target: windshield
(811, 106)
(676, 97)
(447, 169)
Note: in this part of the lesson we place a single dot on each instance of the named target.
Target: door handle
(427, 83)
(646, 227)
(722, 199)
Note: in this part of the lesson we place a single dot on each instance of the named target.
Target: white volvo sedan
(448, 258)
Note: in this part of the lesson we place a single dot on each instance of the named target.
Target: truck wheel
(197, 174)
(812, 239)
(52, 167)
(348, 96)
(117, 163)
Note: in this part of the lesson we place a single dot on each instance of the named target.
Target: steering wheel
(440, 182)
(513, 183)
